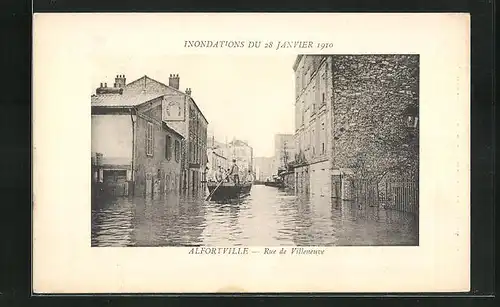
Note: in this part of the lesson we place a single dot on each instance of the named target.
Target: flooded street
(267, 217)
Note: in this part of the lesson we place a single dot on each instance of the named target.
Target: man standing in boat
(249, 178)
(234, 172)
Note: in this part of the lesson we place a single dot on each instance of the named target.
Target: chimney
(188, 91)
(173, 81)
(120, 81)
(104, 89)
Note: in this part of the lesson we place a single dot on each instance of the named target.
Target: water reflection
(267, 216)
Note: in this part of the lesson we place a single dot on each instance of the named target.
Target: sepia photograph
(329, 151)
(183, 158)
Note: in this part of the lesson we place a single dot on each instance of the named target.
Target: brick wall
(369, 129)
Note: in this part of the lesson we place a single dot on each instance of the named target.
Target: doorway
(149, 184)
(115, 182)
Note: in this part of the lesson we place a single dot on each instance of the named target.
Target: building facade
(216, 153)
(313, 122)
(242, 152)
(284, 151)
(216, 159)
(351, 113)
(163, 119)
(140, 154)
(263, 168)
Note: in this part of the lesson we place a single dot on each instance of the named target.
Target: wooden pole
(220, 183)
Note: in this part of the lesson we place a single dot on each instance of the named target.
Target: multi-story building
(351, 113)
(243, 154)
(128, 116)
(263, 168)
(216, 152)
(284, 151)
(313, 89)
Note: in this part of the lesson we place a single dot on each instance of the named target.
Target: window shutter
(149, 139)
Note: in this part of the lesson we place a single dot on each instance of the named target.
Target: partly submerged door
(115, 182)
(149, 184)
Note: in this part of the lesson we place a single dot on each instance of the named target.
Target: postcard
(204, 153)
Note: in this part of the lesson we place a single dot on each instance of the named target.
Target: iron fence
(396, 195)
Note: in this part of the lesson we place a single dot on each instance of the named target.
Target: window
(168, 147)
(323, 148)
(323, 100)
(149, 139)
(177, 151)
(313, 140)
(303, 81)
(191, 158)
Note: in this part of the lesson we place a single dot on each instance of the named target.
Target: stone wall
(289, 180)
(320, 179)
(164, 172)
(370, 134)
(302, 183)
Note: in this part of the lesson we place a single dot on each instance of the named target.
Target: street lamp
(410, 116)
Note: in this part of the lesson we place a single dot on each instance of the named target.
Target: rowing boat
(228, 190)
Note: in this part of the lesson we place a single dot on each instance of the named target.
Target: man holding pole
(249, 178)
(234, 173)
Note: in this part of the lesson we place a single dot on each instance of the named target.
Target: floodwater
(267, 217)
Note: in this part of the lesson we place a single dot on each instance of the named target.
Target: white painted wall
(320, 179)
(112, 136)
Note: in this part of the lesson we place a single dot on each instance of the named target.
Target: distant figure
(219, 174)
(213, 175)
(249, 178)
(234, 173)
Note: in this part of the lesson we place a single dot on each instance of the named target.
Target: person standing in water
(234, 173)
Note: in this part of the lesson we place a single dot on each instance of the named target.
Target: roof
(172, 130)
(297, 61)
(133, 97)
(239, 143)
(145, 78)
(120, 100)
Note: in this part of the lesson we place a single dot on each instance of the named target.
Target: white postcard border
(63, 260)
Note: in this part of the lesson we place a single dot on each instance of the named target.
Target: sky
(248, 97)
